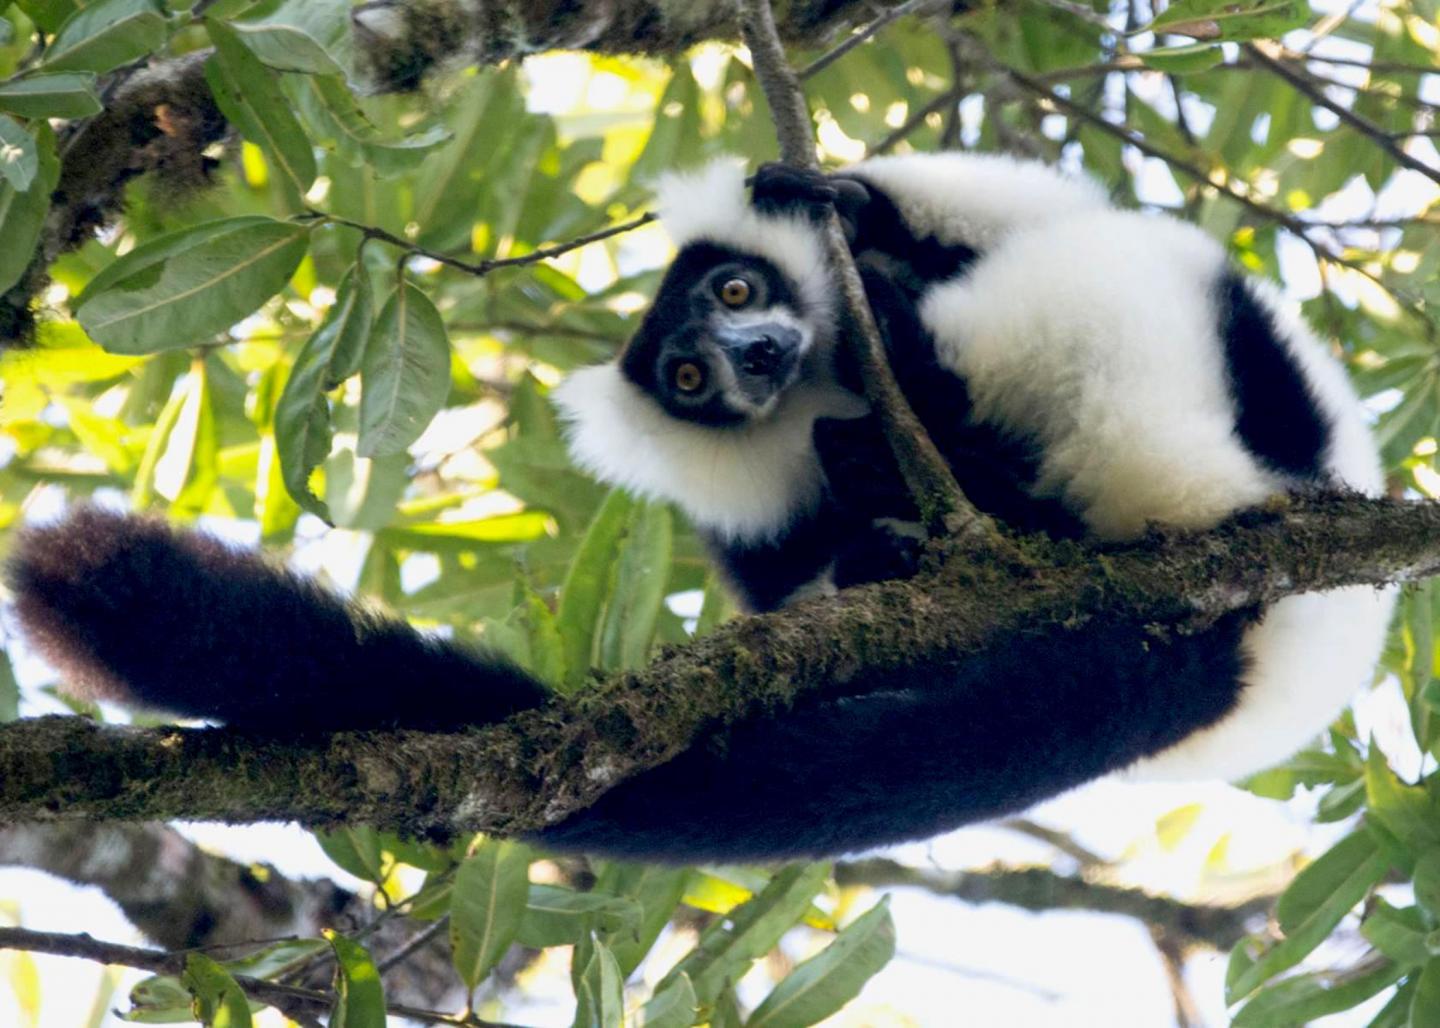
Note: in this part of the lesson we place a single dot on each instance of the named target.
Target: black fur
(763, 575)
(147, 615)
(1276, 415)
(136, 612)
(920, 750)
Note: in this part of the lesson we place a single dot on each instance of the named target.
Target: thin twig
(484, 267)
(949, 98)
(286, 998)
(414, 946)
(864, 33)
(1308, 89)
(943, 507)
(1041, 889)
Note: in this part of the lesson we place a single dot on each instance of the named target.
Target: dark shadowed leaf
(107, 34)
(487, 906)
(302, 415)
(188, 286)
(22, 214)
(248, 95)
(313, 36)
(560, 917)
(68, 94)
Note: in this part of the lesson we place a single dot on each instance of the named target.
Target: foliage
(344, 325)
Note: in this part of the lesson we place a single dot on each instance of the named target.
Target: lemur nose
(760, 356)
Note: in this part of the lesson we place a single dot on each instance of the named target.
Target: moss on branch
(542, 765)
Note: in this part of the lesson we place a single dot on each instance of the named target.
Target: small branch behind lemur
(943, 506)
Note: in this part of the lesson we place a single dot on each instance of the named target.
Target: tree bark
(544, 764)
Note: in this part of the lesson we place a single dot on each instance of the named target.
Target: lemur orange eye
(734, 292)
(688, 377)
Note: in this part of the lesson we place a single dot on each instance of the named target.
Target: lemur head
(711, 402)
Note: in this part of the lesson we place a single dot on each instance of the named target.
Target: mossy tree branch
(542, 765)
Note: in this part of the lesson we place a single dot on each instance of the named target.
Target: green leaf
(1305, 997)
(640, 580)
(599, 995)
(657, 889)
(48, 14)
(1407, 811)
(673, 1006)
(1427, 882)
(561, 917)
(22, 214)
(405, 376)
(1315, 902)
(302, 415)
(354, 848)
(450, 183)
(833, 977)
(9, 690)
(1180, 60)
(68, 94)
(727, 948)
(247, 94)
(218, 1000)
(358, 137)
(1425, 1007)
(19, 158)
(1231, 19)
(359, 995)
(587, 583)
(487, 906)
(1399, 933)
(102, 36)
(185, 287)
(312, 36)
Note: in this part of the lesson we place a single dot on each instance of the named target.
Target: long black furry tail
(131, 610)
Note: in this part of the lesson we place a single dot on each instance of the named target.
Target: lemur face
(723, 339)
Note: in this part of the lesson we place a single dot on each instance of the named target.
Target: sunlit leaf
(820, 986)
(359, 995)
(219, 1001)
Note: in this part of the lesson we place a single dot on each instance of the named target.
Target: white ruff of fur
(710, 205)
(745, 483)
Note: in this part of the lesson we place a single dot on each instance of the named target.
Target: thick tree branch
(943, 507)
(542, 765)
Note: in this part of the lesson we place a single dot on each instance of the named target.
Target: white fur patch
(977, 199)
(744, 483)
(711, 204)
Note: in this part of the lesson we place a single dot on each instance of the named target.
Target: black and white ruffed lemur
(1084, 370)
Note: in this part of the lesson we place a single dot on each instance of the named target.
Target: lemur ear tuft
(710, 204)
